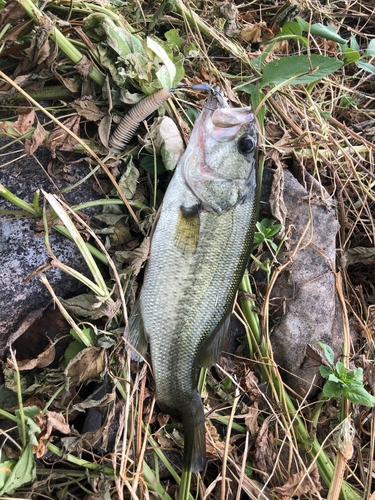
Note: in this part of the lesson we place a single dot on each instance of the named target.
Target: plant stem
(64, 44)
(271, 375)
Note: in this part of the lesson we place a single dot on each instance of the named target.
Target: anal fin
(135, 334)
(187, 231)
(212, 345)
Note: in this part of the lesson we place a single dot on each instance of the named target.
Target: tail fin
(195, 441)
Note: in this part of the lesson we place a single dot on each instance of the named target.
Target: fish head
(219, 163)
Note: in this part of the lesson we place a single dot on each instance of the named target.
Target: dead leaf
(229, 11)
(164, 441)
(40, 47)
(251, 383)
(50, 421)
(25, 120)
(128, 180)
(263, 458)
(276, 199)
(163, 419)
(11, 13)
(39, 136)
(90, 306)
(105, 130)
(21, 28)
(251, 419)
(255, 33)
(88, 364)
(167, 141)
(44, 359)
(135, 258)
(88, 109)
(368, 369)
(343, 439)
(73, 84)
(84, 67)
(60, 139)
(357, 254)
(214, 447)
(310, 484)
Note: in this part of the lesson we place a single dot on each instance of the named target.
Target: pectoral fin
(212, 346)
(135, 334)
(187, 231)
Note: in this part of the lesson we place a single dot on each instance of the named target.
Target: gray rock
(306, 286)
(21, 252)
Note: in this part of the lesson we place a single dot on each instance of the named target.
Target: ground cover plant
(308, 71)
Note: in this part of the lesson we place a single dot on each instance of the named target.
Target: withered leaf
(343, 439)
(59, 139)
(310, 484)
(73, 84)
(13, 34)
(51, 420)
(263, 458)
(44, 359)
(134, 258)
(40, 48)
(105, 130)
(25, 120)
(88, 109)
(84, 67)
(11, 13)
(251, 419)
(214, 447)
(252, 33)
(90, 306)
(163, 419)
(276, 200)
(368, 369)
(87, 365)
(357, 254)
(39, 136)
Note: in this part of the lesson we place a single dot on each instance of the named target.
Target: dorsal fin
(187, 231)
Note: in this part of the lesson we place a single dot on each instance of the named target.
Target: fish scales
(191, 279)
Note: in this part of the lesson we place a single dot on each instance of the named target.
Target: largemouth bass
(199, 250)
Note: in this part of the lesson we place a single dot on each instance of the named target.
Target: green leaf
(147, 163)
(336, 380)
(172, 37)
(351, 56)
(325, 371)
(328, 353)
(23, 472)
(71, 352)
(159, 51)
(354, 44)
(291, 27)
(370, 51)
(327, 32)
(340, 369)
(227, 383)
(278, 72)
(193, 115)
(304, 25)
(319, 29)
(331, 389)
(359, 395)
(356, 376)
(256, 99)
(366, 66)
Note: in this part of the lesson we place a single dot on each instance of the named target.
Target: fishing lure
(131, 121)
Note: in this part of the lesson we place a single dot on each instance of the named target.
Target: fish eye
(246, 144)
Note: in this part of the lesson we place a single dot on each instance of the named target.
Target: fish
(200, 246)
